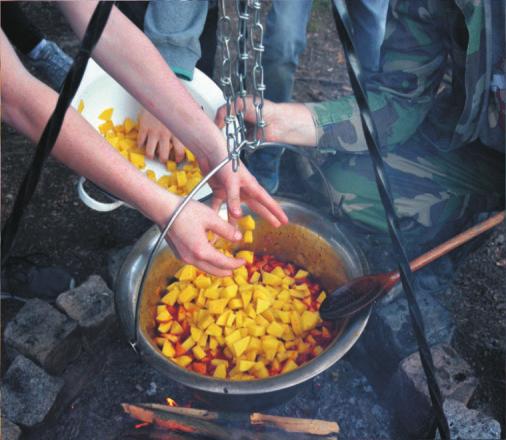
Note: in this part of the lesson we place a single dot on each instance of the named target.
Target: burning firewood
(195, 423)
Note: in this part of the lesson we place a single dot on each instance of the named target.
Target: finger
(258, 194)
(216, 203)
(141, 136)
(179, 152)
(234, 198)
(219, 119)
(151, 144)
(225, 230)
(164, 147)
(210, 255)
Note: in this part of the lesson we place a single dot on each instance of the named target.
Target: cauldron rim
(125, 307)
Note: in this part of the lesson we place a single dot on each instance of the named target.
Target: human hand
(290, 123)
(157, 139)
(188, 236)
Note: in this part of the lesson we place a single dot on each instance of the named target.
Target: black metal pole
(343, 26)
(52, 129)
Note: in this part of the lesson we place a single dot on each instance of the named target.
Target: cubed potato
(220, 372)
(168, 349)
(247, 237)
(247, 223)
(187, 273)
(105, 115)
(247, 256)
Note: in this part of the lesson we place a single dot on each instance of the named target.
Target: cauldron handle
(299, 150)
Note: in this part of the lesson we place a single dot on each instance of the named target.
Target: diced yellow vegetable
(262, 305)
(289, 366)
(164, 327)
(309, 320)
(275, 329)
(106, 114)
(230, 291)
(196, 333)
(164, 316)
(247, 223)
(214, 330)
(247, 256)
(80, 106)
(245, 365)
(171, 297)
(198, 352)
(168, 349)
(202, 282)
(183, 361)
(217, 306)
(190, 157)
(137, 160)
(181, 178)
(187, 294)
(321, 297)
(270, 279)
(247, 237)
(129, 125)
(188, 343)
(176, 328)
(187, 273)
(301, 274)
(220, 372)
(171, 165)
(241, 345)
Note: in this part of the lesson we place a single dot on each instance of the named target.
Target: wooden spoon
(361, 292)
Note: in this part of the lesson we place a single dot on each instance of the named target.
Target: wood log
(197, 422)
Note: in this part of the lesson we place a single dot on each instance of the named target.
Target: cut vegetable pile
(260, 322)
(123, 137)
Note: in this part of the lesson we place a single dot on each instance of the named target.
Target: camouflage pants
(435, 193)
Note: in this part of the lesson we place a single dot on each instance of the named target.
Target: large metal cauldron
(310, 240)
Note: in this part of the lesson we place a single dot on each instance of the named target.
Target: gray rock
(342, 394)
(91, 304)
(409, 394)
(28, 393)
(10, 431)
(44, 335)
(469, 424)
(115, 259)
(389, 335)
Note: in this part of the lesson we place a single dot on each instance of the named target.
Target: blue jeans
(285, 40)
(369, 21)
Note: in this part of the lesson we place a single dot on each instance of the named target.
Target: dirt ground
(66, 233)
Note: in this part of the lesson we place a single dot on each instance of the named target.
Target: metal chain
(257, 39)
(234, 75)
(224, 33)
(241, 66)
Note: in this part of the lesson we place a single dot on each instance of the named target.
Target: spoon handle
(456, 241)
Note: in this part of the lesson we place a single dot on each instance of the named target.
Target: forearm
(128, 55)
(28, 108)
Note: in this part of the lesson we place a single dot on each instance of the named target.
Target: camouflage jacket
(442, 74)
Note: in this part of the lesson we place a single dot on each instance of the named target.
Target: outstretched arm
(128, 55)
(27, 105)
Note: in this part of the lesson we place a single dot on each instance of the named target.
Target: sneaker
(23, 278)
(50, 62)
(264, 165)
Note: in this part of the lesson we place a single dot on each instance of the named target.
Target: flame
(170, 402)
(141, 425)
